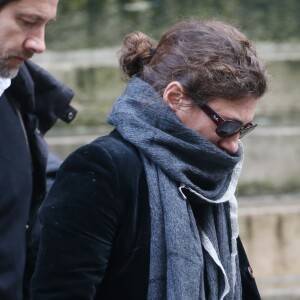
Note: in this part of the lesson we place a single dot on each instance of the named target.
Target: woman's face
(192, 116)
(241, 110)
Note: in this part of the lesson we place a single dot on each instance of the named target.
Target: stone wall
(269, 228)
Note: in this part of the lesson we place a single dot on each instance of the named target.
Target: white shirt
(4, 84)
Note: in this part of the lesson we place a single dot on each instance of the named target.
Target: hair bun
(136, 52)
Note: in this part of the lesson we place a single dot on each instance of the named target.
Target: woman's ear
(172, 95)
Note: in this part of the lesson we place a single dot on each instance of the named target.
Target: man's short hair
(4, 2)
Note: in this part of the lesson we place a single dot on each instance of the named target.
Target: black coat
(95, 241)
(28, 108)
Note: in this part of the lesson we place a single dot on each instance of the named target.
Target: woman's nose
(230, 144)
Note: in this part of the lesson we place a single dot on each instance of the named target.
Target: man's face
(22, 32)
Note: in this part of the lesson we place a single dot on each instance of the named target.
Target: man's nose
(230, 144)
(36, 41)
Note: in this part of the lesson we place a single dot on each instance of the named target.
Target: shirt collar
(4, 84)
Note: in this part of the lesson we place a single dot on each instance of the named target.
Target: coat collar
(41, 94)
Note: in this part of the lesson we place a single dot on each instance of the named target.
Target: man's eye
(27, 23)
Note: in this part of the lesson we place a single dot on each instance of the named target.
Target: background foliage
(103, 23)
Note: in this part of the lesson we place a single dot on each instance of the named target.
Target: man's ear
(172, 95)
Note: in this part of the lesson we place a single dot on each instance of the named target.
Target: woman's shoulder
(116, 145)
(111, 149)
(96, 175)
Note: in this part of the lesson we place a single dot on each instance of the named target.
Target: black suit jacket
(95, 241)
(28, 108)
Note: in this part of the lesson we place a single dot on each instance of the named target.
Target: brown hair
(210, 59)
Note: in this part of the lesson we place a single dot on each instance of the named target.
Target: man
(31, 101)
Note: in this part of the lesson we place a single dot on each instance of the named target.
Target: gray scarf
(193, 251)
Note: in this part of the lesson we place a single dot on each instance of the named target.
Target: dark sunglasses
(227, 128)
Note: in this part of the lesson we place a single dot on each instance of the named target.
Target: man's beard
(5, 71)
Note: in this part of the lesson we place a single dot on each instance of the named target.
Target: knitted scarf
(191, 182)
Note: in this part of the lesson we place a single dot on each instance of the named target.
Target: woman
(149, 211)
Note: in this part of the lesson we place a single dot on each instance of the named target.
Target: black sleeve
(249, 287)
(80, 218)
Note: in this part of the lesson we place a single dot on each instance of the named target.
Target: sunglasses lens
(228, 128)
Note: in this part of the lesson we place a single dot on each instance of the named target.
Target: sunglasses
(227, 128)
